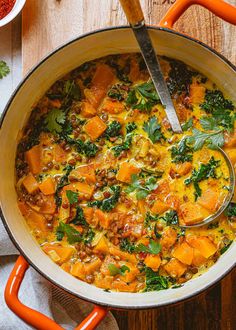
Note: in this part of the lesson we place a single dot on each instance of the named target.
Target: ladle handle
(133, 11)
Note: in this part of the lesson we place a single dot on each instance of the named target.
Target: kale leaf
(154, 281)
(118, 92)
(63, 182)
(171, 218)
(79, 218)
(122, 147)
(220, 108)
(180, 77)
(126, 245)
(182, 152)
(108, 204)
(130, 127)
(72, 196)
(204, 172)
(231, 210)
(187, 125)
(113, 129)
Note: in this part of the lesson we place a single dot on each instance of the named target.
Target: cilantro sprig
(118, 271)
(142, 189)
(143, 97)
(4, 69)
(55, 120)
(153, 129)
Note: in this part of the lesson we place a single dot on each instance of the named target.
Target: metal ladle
(134, 14)
(227, 199)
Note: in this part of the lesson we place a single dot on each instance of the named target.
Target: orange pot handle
(218, 7)
(34, 318)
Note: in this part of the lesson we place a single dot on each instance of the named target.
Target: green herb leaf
(214, 139)
(225, 248)
(126, 245)
(153, 247)
(220, 108)
(180, 77)
(142, 191)
(108, 204)
(231, 210)
(171, 218)
(153, 129)
(113, 129)
(118, 271)
(79, 218)
(122, 147)
(63, 182)
(72, 196)
(4, 69)
(187, 125)
(130, 127)
(72, 234)
(143, 97)
(149, 218)
(182, 152)
(204, 172)
(118, 92)
(54, 120)
(72, 90)
(154, 281)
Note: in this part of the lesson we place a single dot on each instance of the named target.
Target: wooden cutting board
(47, 24)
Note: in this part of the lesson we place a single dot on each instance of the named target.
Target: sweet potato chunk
(184, 253)
(159, 207)
(102, 246)
(64, 252)
(112, 106)
(203, 244)
(198, 258)
(47, 187)
(48, 206)
(90, 267)
(123, 255)
(30, 183)
(182, 169)
(95, 127)
(103, 76)
(87, 110)
(123, 286)
(168, 238)
(60, 155)
(193, 213)
(209, 199)
(33, 158)
(153, 261)
(85, 190)
(86, 172)
(175, 268)
(197, 93)
(77, 270)
(126, 171)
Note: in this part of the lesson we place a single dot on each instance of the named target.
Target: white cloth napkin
(37, 293)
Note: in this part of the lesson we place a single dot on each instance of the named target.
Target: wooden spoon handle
(133, 11)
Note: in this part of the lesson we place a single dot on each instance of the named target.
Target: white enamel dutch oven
(35, 84)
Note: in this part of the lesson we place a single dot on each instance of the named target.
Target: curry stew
(105, 185)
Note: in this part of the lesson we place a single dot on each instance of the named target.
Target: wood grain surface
(47, 24)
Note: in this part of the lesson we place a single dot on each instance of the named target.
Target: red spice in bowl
(5, 7)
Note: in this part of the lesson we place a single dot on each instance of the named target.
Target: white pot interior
(39, 80)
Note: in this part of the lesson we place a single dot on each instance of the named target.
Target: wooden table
(49, 23)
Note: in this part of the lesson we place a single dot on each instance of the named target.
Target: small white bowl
(19, 4)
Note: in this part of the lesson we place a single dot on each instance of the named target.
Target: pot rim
(4, 221)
